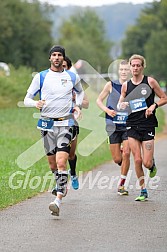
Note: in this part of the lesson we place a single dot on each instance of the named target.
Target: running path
(94, 218)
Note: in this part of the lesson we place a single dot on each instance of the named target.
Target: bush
(13, 87)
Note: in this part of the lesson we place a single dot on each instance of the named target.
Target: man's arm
(158, 91)
(79, 92)
(104, 93)
(85, 102)
(31, 92)
(29, 100)
(121, 104)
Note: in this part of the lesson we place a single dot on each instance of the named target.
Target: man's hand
(40, 104)
(122, 105)
(150, 110)
(77, 112)
(111, 112)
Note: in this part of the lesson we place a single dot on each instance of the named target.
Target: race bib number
(120, 118)
(138, 104)
(45, 124)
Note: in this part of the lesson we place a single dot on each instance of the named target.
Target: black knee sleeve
(62, 181)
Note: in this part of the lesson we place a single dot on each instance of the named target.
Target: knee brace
(62, 181)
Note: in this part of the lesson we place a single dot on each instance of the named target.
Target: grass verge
(18, 133)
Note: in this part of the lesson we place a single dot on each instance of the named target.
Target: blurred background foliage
(26, 29)
(148, 37)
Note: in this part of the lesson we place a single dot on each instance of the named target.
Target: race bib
(138, 104)
(120, 118)
(45, 124)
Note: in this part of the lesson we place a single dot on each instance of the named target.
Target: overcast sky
(92, 2)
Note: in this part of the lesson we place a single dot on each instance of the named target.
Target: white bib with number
(138, 104)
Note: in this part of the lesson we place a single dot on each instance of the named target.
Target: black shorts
(75, 131)
(118, 137)
(141, 134)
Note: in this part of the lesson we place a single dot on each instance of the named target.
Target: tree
(25, 34)
(136, 36)
(83, 36)
(149, 38)
(156, 54)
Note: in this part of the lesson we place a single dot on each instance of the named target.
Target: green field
(18, 133)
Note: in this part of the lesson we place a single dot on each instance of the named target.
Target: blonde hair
(140, 57)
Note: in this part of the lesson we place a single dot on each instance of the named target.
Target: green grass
(161, 120)
(14, 87)
(18, 133)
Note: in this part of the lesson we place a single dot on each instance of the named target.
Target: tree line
(148, 37)
(26, 36)
(25, 33)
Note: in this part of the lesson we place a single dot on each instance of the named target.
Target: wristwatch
(79, 106)
(156, 105)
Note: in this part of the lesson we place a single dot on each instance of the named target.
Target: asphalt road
(93, 218)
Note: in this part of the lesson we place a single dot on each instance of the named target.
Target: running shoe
(54, 191)
(122, 191)
(74, 182)
(54, 208)
(143, 196)
(153, 170)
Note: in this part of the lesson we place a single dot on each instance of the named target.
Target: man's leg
(124, 167)
(116, 153)
(53, 167)
(61, 161)
(50, 149)
(73, 159)
(148, 157)
(63, 139)
(135, 146)
(52, 164)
